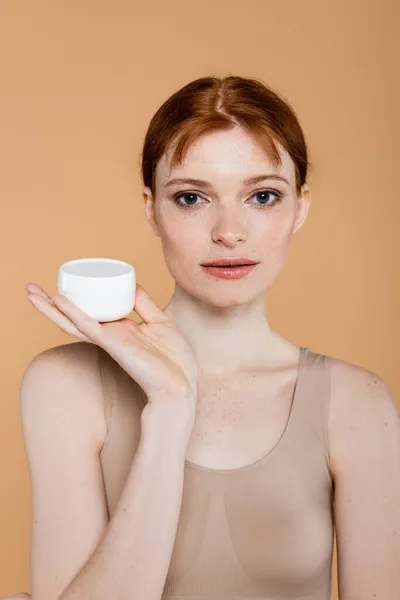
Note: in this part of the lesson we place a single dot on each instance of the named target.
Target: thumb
(145, 307)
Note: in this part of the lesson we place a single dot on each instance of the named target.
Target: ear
(303, 204)
(149, 210)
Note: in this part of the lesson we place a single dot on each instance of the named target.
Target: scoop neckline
(195, 467)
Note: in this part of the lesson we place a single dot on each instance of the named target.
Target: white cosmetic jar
(103, 288)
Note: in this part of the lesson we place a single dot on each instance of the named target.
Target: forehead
(219, 154)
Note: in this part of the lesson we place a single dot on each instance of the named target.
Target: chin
(224, 293)
(229, 298)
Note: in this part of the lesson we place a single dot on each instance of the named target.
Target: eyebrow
(207, 184)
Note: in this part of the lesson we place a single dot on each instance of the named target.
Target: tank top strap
(310, 408)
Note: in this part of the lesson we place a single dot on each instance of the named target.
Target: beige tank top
(261, 532)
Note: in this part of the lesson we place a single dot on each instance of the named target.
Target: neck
(225, 339)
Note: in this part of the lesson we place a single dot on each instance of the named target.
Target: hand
(18, 597)
(154, 352)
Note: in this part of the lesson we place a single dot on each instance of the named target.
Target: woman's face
(227, 218)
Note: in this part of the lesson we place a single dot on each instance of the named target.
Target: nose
(229, 229)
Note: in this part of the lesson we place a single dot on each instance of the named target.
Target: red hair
(211, 104)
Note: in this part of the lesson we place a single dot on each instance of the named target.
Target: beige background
(80, 81)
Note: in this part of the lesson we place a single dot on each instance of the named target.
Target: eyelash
(278, 198)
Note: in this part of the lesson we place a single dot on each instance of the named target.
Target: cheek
(274, 245)
(177, 235)
(280, 237)
(182, 244)
(276, 234)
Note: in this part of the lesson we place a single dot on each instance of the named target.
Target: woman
(213, 457)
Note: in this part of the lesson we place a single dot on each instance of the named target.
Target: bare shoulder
(360, 400)
(78, 358)
(79, 352)
(70, 372)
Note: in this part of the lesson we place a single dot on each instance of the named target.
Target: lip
(229, 272)
(224, 262)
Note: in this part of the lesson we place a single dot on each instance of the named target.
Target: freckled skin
(271, 229)
(225, 321)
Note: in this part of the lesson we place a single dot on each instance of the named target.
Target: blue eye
(193, 195)
(185, 194)
(278, 197)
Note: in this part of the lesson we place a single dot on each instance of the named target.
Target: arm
(75, 552)
(132, 559)
(365, 460)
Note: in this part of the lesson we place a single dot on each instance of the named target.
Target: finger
(33, 288)
(80, 319)
(50, 310)
(145, 307)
